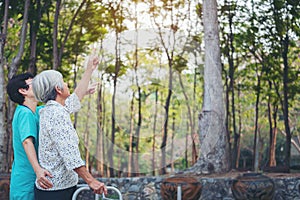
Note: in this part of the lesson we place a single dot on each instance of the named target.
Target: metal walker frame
(82, 187)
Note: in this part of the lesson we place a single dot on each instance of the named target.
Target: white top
(58, 143)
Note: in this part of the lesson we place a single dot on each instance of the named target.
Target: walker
(82, 187)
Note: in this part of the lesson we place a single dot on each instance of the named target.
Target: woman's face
(66, 90)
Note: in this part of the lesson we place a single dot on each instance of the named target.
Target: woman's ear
(58, 90)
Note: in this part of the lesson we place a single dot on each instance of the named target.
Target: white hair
(44, 85)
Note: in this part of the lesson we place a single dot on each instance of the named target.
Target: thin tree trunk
(154, 133)
(140, 118)
(75, 72)
(113, 129)
(16, 62)
(238, 149)
(99, 147)
(230, 53)
(87, 135)
(186, 146)
(105, 135)
(130, 151)
(55, 34)
(286, 102)
(273, 130)
(5, 150)
(61, 50)
(34, 27)
(115, 78)
(256, 136)
(165, 133)
(194, 150)
(172, 141)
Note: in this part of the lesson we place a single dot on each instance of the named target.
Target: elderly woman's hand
(98, 187)
(93, 62)
(92, 88)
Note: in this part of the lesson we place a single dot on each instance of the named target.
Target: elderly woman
(58, 139)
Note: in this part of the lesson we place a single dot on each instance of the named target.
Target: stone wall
(148, 188)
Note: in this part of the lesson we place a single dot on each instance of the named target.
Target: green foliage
(180, 63)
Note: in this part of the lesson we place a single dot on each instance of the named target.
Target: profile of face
(28, 91)
(65, 92)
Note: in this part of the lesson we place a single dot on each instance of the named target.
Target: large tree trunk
(214, 149)
(4, 137)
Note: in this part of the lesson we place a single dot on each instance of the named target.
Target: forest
(145, 118)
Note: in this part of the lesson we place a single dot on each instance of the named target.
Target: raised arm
(82, 87)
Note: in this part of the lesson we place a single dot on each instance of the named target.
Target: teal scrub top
(25, 124)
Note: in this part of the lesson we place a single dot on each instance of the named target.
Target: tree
(286, 14)
(116, 11)
(4, 139)
(167, 17)
(214, 149)
(58, 51)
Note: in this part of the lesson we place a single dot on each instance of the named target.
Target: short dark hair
(14, 84)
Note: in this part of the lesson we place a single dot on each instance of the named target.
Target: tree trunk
(99, 147)
(286, 102)
(61, 49)
(140, 118)
(186, 146)
(17, 60)
(87, 135)
(238, 142)
(172, 141)
(214, 149)
(190, 117)
(55, 34)
(256, 133)
(153, 133)
(231, 88)
(165, 133)
(272, 117)
(4, 137)
(130, 151)
(34, 27)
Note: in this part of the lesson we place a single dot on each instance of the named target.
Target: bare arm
(94, 184)
(82, 87)
(41, 173)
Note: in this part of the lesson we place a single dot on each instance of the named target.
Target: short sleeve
(27, 126)
(72, 103)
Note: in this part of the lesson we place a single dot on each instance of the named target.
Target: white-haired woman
(58, 150)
